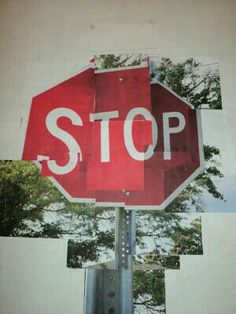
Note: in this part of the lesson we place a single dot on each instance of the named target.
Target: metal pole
(125, 236)
(111, 291)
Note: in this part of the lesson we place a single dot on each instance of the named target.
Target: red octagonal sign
(111, 138)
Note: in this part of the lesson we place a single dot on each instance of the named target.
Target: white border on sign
(171, 197)
(173, 93)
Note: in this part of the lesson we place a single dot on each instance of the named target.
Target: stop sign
(111, 138)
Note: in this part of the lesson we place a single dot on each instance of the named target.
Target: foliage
(188, 240)
(30, 206)
(24, 196)
(91, 249)
(149, 291)
(157, 261)
(200, 88)
(172, 235)
(117, 61)
(183, 238)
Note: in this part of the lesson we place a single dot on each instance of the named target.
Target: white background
(44, 42)
(34, 278)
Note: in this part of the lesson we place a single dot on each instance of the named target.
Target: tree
(200, 88)
(149, 291)
(30, 206)
(182, 239)
(24, 196)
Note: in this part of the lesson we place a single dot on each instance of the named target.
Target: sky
(213, 134)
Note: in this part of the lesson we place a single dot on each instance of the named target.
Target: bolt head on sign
(112, 138)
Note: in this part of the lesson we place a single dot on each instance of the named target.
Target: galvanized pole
(111, 291)
(125, 240)
(125, 236)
